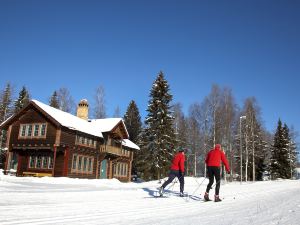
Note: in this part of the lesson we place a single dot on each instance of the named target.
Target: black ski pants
(172, 175)
(213, 172)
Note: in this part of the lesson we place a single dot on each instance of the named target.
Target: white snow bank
(82, 201)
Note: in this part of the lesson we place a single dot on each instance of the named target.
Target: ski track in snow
(263, 203)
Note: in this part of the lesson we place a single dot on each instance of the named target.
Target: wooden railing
(113, 150)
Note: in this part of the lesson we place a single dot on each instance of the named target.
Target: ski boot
(217, 198)
(181, 194)
(206, 197)
(161, 191)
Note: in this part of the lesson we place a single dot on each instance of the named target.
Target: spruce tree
(158, 136)
(291, 151)
(54, 101)
(6, 110)
(6, 106)
(22, 100)
(279, 163)
(132, 120)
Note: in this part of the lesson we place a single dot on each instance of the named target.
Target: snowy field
(26, 200)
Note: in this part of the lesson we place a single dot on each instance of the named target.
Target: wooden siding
(84, 152)
(31, 117)
(59, 164)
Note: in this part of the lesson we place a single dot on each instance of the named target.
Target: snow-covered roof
(6, 120)
(130, 144)
(106, 125)
(70, 121)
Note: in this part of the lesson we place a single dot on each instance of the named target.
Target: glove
(228, 171)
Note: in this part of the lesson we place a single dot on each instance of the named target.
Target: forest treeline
(253, 152)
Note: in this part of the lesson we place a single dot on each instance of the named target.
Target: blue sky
(252, 47)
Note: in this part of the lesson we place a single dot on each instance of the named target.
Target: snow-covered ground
(26, 200)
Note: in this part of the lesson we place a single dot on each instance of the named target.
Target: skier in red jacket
(213, 163)
(177, 170)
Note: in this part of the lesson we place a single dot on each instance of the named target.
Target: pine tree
(291, 149)
(6, 110)
(6, 106)
(279, 163)
(158, 136)
(22, 100)
(54, 101)
(132, 120)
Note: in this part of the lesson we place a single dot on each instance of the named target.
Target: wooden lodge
(44, 141)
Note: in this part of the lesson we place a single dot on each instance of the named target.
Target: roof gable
(111, 125)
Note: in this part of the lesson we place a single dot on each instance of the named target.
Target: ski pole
(198, 187)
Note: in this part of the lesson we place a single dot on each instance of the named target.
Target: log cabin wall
(59, 163)
(82, 152)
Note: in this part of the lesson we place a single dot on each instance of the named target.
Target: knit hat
(218, 146)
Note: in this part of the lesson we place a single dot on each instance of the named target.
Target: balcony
(117, 151)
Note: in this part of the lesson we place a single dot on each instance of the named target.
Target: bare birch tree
(194, 138)
(100, 109)
(66, 101)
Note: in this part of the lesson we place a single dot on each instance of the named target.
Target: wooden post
(54, 159)
(8, 155)
(7, 161)
(20, 160)
(66, 161)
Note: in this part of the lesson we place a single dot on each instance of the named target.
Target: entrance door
(103, 169)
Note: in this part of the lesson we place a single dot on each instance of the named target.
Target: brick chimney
(83, 109)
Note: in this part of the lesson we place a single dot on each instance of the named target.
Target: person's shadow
(154, 193)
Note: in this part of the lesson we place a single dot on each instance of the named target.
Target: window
(79, 162)
(23, 130)
(36, 130)
(121, 169)
(50, 163)
(84, 163)
(90, 165)
(31, 162)
(32, 130)
(29, 132)
(41, 162)
(74, 162)
(43, 130)
(89, 142)
(45, 162)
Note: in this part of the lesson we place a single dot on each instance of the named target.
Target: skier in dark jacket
(213, 163)
(177, 170)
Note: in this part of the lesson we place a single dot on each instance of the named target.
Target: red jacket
(178, 162)
(215, 156)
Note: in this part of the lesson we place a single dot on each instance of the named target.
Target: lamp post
(205, 144)
(241, 155)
